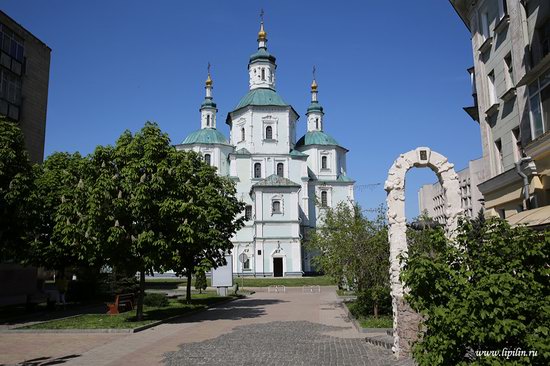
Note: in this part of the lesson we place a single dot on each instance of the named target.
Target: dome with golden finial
(314, 85)
(208, 80)
(262, 35)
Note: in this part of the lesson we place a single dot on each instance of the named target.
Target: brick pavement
(290, 328)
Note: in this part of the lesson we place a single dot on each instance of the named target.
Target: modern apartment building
(24, 78)
(431, 198)
(511, 90)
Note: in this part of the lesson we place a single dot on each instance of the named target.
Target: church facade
(285, 183)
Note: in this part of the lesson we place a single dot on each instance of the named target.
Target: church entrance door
(277, 267)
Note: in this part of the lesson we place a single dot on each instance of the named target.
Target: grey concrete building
(431, 198)
(511, 90)
(24, 78)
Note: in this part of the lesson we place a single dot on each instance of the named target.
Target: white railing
(276, 288)
(311, 289)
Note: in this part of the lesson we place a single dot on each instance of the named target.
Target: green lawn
(369, 321)
(383, 321)
(128, 320)
(345, 293)
(173, 283)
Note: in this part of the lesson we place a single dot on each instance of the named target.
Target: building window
(280, 169)
(10, 87)
(269, 133)
(208, 120)
(248, 213)
(485, 25)
(324, 199)
(257, 170)
(276, 207)
(242, 134)
(516, 144)
(508, 71)
(498, 156)
(539, 101)
(207, 158)
(11, 44)
(316, 123)
(324, 162)
(502, 9)
(246, 264)
(492, 90)
(263, 74)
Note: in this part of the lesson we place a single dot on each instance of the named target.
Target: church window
(280, 168)
(263, 74)
(246, 264)
(208, 120)
(257, 170)
(242, 134)
(248, 212)
(324, 199)
(317, 123)
(268, 133)
(276, 207)
(324, 163)
(207, 158)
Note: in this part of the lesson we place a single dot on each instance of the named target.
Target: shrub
(488, 293)
(155, 300)
(200, 280)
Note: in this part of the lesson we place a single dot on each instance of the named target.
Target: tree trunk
(375, 310)
(188, 292)
(141, 295)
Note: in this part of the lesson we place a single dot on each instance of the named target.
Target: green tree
(354, 251)
(200, 280)
(490, 292)
(116, 214)
(199, 215)
(56, 182)
(16, 185)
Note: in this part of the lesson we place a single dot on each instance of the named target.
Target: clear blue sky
(391, 76)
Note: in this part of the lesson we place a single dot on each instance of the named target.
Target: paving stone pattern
(291, 343)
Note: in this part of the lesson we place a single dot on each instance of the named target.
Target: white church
(285, 183)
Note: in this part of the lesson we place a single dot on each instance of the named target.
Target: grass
(383, 321)
(173, 283)
(367, 320)
(128, 320)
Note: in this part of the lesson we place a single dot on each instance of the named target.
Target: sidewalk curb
(115, 330)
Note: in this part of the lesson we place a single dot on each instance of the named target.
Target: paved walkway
(264, 329)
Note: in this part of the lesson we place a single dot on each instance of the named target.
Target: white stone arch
(405, 320)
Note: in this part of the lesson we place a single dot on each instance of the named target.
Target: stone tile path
(289, 328)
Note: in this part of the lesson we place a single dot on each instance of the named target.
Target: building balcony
(539, 147)
(473, 112)
(508, 94)
(486, 45)
(502, 24)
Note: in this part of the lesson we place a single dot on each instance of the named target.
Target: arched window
(280, 168)
(276, 206)
(257, 170)
(242, 134)
(324, 164)
(317, 123)
(207, 158)
(208, 120)
(263, 74)
(248, 212)
(268, 133)
(324, 198)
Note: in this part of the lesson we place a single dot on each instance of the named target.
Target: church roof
(262, 54)
(262, 97)
(208, 102)
(316, 138)
(205, 136)
(315, 107)
(344, 178)
(297, 153)
(275, 181)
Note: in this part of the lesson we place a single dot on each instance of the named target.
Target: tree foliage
(200, 280)
(489, 293)
(16, 185)
(355, 252)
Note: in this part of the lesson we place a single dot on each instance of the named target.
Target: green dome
(261, 96)
(205, 136)
(315, 107)
(208, 102)
(316, 138)
(262, 54)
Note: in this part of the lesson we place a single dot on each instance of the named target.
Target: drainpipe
(525, 180)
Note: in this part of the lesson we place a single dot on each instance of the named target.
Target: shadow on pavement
(43, 361)
(235, 310)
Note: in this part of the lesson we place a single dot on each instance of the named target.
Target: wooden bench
(122, 301)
